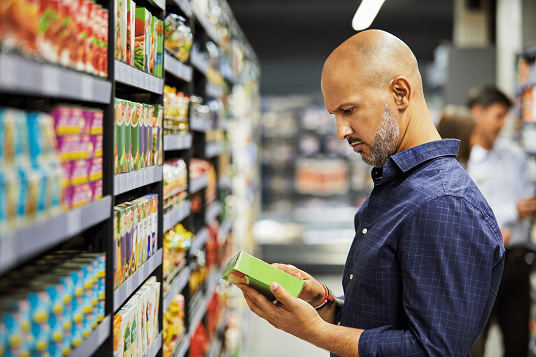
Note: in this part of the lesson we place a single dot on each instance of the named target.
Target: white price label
(143, 272)
(51, 80)
(129, 181)
(151, 265)
(116, 184)
(146, 176)
(135, 179)
(7, 252)
(8, 73)
(87, 87)
(124, 69)
(116, 299)
(135, 78)
(129, 285)
(74, 219)
(123, 183)
(129, 75)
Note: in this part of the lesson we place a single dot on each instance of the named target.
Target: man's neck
(477, 139)
(420, 130)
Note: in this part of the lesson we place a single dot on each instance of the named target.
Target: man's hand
(313, 292)
(526, 208)
(292, 315)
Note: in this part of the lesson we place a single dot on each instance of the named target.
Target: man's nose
(343, 129)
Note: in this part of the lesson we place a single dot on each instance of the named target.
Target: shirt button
(364, 231)
(351, 276)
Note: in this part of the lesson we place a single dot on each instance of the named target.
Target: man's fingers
(254, 307)
(282, 295)
(290, 269)
(257, 298)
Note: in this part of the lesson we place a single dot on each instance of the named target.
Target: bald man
(426, 261)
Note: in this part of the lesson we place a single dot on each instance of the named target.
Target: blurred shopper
(425, 265)
(499, 168)
(457, 123)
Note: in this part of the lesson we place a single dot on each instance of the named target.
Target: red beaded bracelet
(327, 297)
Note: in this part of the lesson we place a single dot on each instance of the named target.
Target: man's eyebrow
(339, 108)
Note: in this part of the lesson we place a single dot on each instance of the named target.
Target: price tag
(124, 69)
(51, 80)
(74, 219)
(122, 183)
(87, 87)
(116, 299)
(135, 78)
(117, 66)
(143, 272)
(146, 177)
(135, 179)
(129, 75)
(129, 285)
(151, 176)
(129, 181)
(8, 73)
(7, 252)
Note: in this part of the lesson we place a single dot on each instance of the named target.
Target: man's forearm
(343, 341)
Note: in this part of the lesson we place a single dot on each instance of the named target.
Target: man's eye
(347, 111)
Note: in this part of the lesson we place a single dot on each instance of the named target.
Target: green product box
(244, 268)
(119, 136)
(159, 47)
(152, 58)
(135, 125)
(142, 49)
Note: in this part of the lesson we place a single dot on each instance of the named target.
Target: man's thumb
(280, 293)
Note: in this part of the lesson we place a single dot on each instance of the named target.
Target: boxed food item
(153, 326)
(78, 173)
(118, 337)
(131, 23)
(95, 189)
(95, 146)
(81, 19)
(119, 246)
(246, 269)
(142, 46)
(157, 147)
(153, 198)
(159, 48)
(135, 121)
(103, 58)
(126, 239)
(131, 236)
(152, 59)
(143, 225)
(119, 135)
(121, 30)
(127, 320)
(94, 12)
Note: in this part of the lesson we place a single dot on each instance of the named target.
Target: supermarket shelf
(200, 239)
(198, 183)
(134, 77)
(213, 90)
(213, 150)
(155, 347)
(175, 192)
(177, 68)
(199, 62)
(212, 212)
(185, 6)
(125, 290)
(209, 29)
(94, 341)
(199, 124)
(177, 142)
(178, 284)
(18, 246)
(134, 179)
(176, 215)
(213, 281)
(182, 347)
(24, 76)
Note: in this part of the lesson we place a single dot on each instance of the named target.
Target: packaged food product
(119, 246)
(159, 47)
(95, 146)
(178, 37)
(131, 18)
(95, 119)
(246, 269)
(153, 326)
(103, 56)
(158, 148)
(130, 113)
(154, 34)
(78, 171)
(121, 30)
(93, 11)
(95, 169)
(81, 19)
(81, 195)
(126, 331)
(142, 45)
(119, 135)
(129, 313)
(135, 123)
(117, 336)
(95, 188)
(131, 232)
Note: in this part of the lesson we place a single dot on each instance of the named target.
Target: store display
(53, 304)
(173, 324)
(178, 37)
(177, 241)
(135, 235)
(175, 111)
(136, 324)
(175, 176)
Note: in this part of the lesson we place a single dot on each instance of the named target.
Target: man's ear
(476, 111)
(401, 89)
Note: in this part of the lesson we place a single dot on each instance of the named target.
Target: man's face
(363, 119)
(490, 121)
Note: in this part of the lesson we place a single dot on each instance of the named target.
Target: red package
(89, 51)
(81, 20)
(104, 44)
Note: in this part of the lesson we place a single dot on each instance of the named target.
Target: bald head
(374, 57)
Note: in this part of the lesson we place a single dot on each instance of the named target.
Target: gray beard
(385, 141)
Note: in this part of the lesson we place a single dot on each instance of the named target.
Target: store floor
(267, 341)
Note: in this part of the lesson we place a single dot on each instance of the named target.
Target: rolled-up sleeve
(451, 258)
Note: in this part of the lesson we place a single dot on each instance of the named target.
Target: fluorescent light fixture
(365, 14)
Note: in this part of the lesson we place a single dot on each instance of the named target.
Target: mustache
(352, 140)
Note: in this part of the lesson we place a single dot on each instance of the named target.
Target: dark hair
(457, 123)
(486, 96)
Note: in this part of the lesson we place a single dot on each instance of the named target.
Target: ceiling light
(365, 14)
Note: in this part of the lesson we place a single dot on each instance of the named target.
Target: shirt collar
(410, 158)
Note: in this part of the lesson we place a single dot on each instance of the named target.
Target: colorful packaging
(81, 195)
(153, 223)
(95, 189)
(81, 19)
(68, 9)
(130, 108)
(95, 119)
(131, 313)
(131, 23)
(95, 146)
(68, 147)
(92, 12)
(158, 147)
(103, 58)
(126, 330)
(118, 337)
(154, 305)
(152, 58)
(95, 169)
(119, 246)
(142, 47)
(131, 227)
(159, 48)
(79, 170)
(121, 30)
(135, 123)
(244, 268)
(119, 135)
(148, 136)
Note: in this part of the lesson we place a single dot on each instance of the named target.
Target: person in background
(499, 168)
(427, 258)
(457, 123)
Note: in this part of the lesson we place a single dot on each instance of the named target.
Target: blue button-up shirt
(423, 271)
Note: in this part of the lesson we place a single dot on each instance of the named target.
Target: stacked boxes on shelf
(135, 235)
(50, 306)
